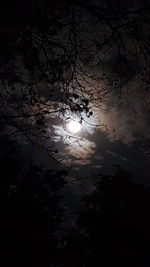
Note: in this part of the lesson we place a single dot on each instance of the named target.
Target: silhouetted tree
(30, 209)
(113, 227)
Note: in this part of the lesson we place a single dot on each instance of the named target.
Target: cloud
(128, 119)
(82, 149)
(115, 155)
(77, 149)
(82, 162)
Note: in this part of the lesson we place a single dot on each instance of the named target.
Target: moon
(74, 126)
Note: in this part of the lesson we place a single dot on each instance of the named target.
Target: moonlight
(74, 127)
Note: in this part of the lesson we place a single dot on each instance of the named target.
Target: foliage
(31, 212)
(113, 227)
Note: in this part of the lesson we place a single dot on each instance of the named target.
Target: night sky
(74, 109)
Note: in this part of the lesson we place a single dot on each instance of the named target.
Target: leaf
(75, 96)
(85, 101)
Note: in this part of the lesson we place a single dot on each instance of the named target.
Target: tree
(31, 213)
(113, 227)
(67, 58)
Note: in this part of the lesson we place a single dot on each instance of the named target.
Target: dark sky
(123, 121)
(123, 131)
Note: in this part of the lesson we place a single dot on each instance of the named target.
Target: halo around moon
(74, 127)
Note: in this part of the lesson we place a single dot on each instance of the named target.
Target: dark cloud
(128, 119)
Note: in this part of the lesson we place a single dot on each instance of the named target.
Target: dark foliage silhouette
(113, 227)
(31, 213)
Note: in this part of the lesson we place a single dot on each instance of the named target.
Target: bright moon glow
(74, 126)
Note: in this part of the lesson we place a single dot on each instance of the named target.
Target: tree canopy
(31, 213)
(113, 227)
